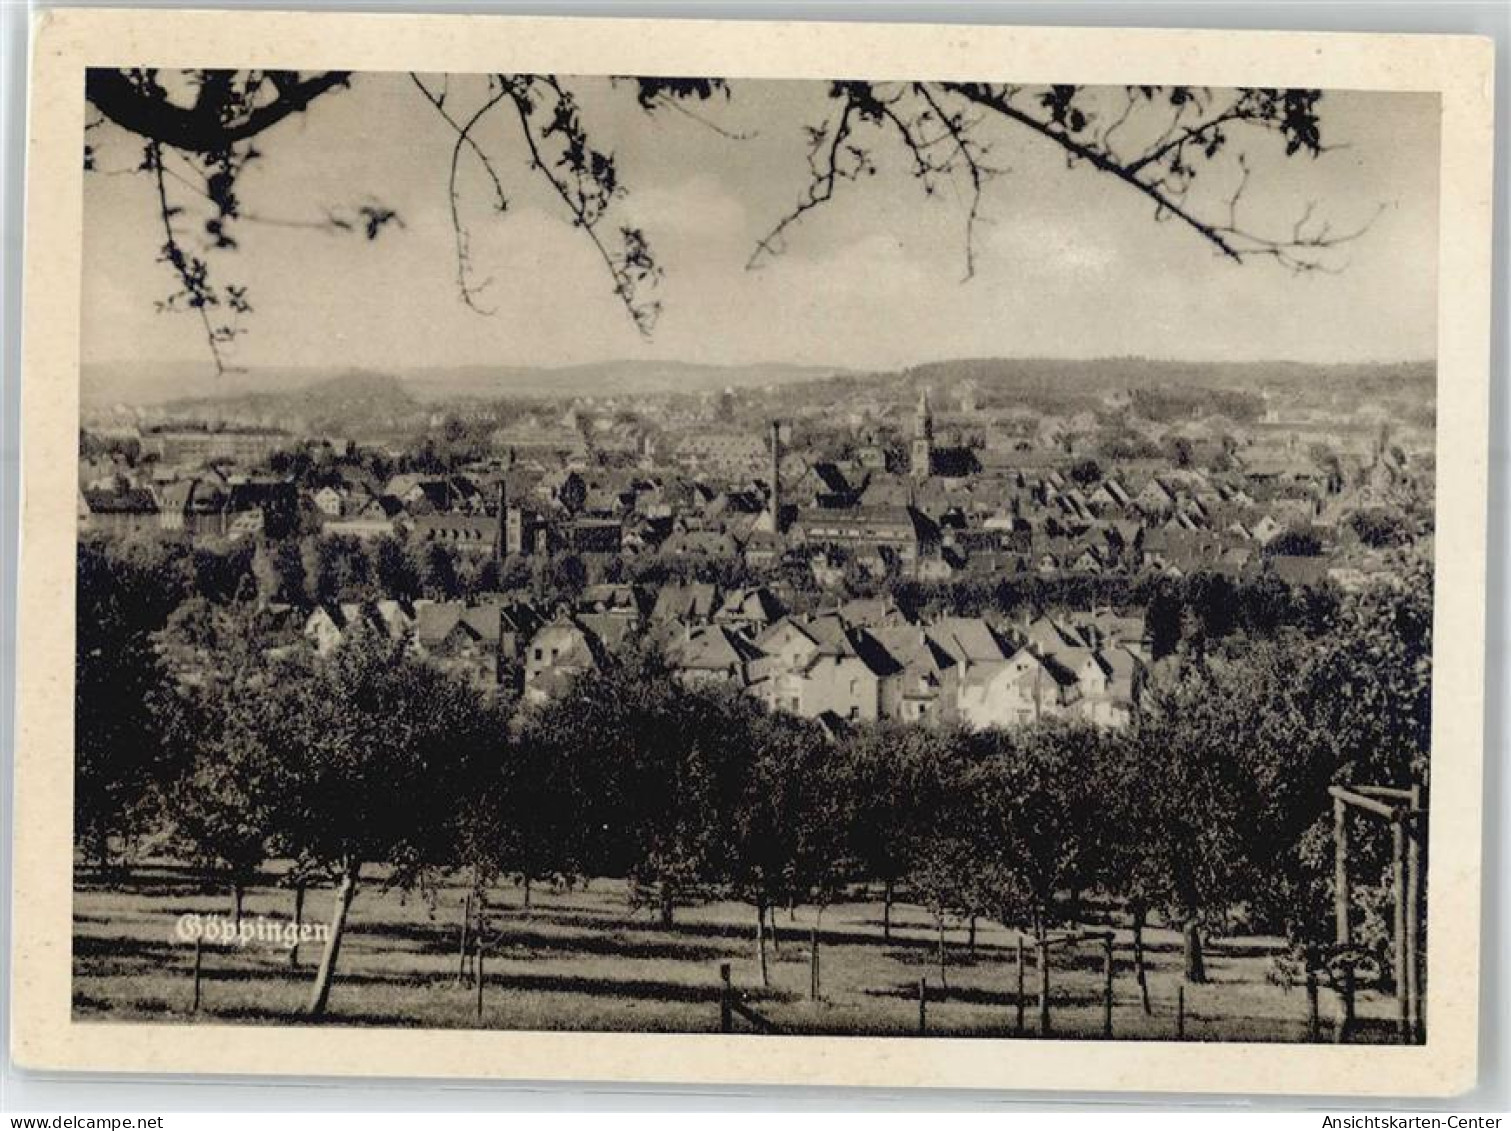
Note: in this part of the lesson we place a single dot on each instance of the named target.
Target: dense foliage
(200, 727)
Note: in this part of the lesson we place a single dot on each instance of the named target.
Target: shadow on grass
(506, 934)
(449, 993)
(980, 995)
(96, 947)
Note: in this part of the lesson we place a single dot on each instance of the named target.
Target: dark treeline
(201, 737)
(317, 569)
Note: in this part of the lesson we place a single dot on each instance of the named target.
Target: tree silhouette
(1185, 150)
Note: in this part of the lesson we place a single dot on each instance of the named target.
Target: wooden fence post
(1398, 895)
(1343, 926)
(923, 1006)
(726, 1008)
(479, 975)
(1107, 985)
(813, 966)
(1044, 987)
(1180, 1012)
(298, 923)
(1416, 832)
(199, 952)
(1020, 985)
(1313, 1025)
(461, 950)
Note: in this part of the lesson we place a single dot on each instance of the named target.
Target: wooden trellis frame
(1407, 814)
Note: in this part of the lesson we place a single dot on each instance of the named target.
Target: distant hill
(1030, 374)
(609, 378)
(320, 395)
(181, 383)
(357, 390)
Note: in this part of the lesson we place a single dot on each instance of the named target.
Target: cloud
(698, 208)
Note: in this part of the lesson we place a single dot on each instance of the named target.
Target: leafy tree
(1162, 621)
(1295, 543)
(772, 810)
(650, 750)
(437, 568)
(221, 573)
(339, 568)
(1364, 688)
(1380, 528)
(1035, 790)
(897, 779)
(1085, 472)
(1132, 865)
(1198, 803)
(370, 738)
(955, 870)
(1178, 451)
(279, 569)
(121, 763)
(394, 569)
(223, 804)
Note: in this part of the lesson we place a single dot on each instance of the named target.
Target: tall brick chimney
(776, 477)
(500, 540)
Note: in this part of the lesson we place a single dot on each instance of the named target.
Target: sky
(1069, 262)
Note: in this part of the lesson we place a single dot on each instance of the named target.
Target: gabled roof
(609, 596)
(685, 602)
(582, 643)
(913, 649)
(754, 604)
(831, 478)
(437, 621)
(871, 611)
(860, 645)
(1046, 635)
(967, 640)
(608, 629)
(712, 648)
(785, 627)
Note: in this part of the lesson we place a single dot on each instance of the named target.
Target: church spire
(922, 459)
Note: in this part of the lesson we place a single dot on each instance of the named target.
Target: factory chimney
(776, 477)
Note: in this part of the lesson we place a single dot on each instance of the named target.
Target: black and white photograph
(861, 559)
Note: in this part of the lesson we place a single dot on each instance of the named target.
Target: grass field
(583, 960)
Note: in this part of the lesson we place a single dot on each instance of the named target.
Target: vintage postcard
(763, 553)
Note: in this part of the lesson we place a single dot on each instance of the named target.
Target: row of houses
(863, 661)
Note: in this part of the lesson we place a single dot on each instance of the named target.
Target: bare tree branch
(191, 271)
(587, 189)
(825, 162)
(465, 140)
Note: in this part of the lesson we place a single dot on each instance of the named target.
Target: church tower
(922, 461)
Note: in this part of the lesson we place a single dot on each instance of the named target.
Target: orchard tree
(647, 750)
(121, 760)
(898, 779)
(373, 742)
(954, 870)
(1132, 858)
(774, 812)
(1040, 814)
(1364, 689)
(223, 804)
(1199, 803)
(1190, 153)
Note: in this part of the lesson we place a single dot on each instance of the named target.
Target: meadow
(583, 959)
